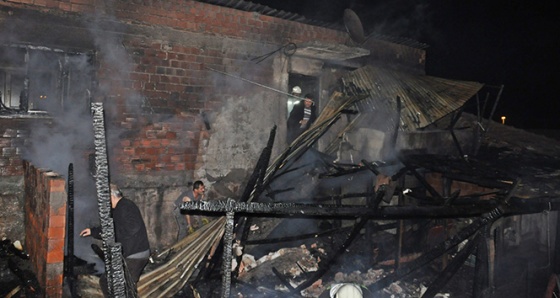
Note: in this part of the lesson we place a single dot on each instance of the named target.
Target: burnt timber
(520, 178)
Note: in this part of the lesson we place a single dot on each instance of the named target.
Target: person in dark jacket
(130, 232)
(301, 117)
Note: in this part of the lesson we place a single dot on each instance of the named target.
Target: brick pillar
(45, 226)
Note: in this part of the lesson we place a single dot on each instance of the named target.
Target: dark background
(510, 43)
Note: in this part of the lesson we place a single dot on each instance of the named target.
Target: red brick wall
(170, 76)
(45, 221)
(12, 141)
(167, 146)
(193, 16)
(12, 137)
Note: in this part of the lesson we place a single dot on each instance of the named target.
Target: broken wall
(12, 140)
(45, 223)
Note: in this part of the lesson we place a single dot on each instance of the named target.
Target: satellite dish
(354, 26)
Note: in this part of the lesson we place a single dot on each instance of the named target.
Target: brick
(55, 252)
(57, 221)
(57, 185)
(54, 280)
(61, 210)
(171, 135)
(56, 233)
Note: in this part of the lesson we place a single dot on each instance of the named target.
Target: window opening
(42, 79)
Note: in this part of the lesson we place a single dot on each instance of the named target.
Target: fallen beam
(513, 206)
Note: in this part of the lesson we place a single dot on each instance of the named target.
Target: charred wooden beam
(488, 182)
(514, 206)
(371, 166)
(426, 185)
(69, 258)
(227, 254)
(453, 267)
(112, 251)
(323, 269)
(302, 143)
(468, 201)
(344, 196)
(439, 249)
(254, 188)
(293, 238)
(329, 116)
(344, 172)
(488, 120)
(481, 266)
(379, 195)
(451, 128)
(400, 229)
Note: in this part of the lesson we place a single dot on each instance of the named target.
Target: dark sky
(514, 43)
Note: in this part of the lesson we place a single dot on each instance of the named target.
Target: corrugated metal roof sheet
(425, 99)
(291, 16)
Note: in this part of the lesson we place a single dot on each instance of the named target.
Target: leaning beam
(111, 249)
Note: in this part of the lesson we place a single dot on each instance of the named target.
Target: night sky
(510, 43)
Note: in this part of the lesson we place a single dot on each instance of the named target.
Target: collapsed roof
(425, 99)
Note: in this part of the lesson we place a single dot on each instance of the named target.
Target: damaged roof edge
(290, 16)
(425, 99)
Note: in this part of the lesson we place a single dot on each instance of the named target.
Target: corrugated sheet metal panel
(290, 16)
(425, 99)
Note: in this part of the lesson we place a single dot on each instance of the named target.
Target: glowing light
(503, 119)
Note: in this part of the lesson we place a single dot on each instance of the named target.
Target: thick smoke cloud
(63, 85)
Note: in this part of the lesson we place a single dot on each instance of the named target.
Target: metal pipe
(251, 82)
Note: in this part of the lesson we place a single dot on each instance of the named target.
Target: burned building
(193, 89)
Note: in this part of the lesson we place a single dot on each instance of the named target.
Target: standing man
(302, 116)
(130, 231)
(185, 221)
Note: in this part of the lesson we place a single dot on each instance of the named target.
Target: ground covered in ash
(364, 261)
(273, 269)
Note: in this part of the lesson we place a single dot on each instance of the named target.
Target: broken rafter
(513, 206)
(330, 114)
(325, 268)
(344, 196)
(453, 267)
(426, 185)
(112, 250)
(439, 249)
(254, 189)
(294, 238)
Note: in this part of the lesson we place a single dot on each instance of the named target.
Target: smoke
(397, 18)
(63, 84)
(67, 136)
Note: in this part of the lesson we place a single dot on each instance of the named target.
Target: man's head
(308, 101)
(198, 187)
(116, 195)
